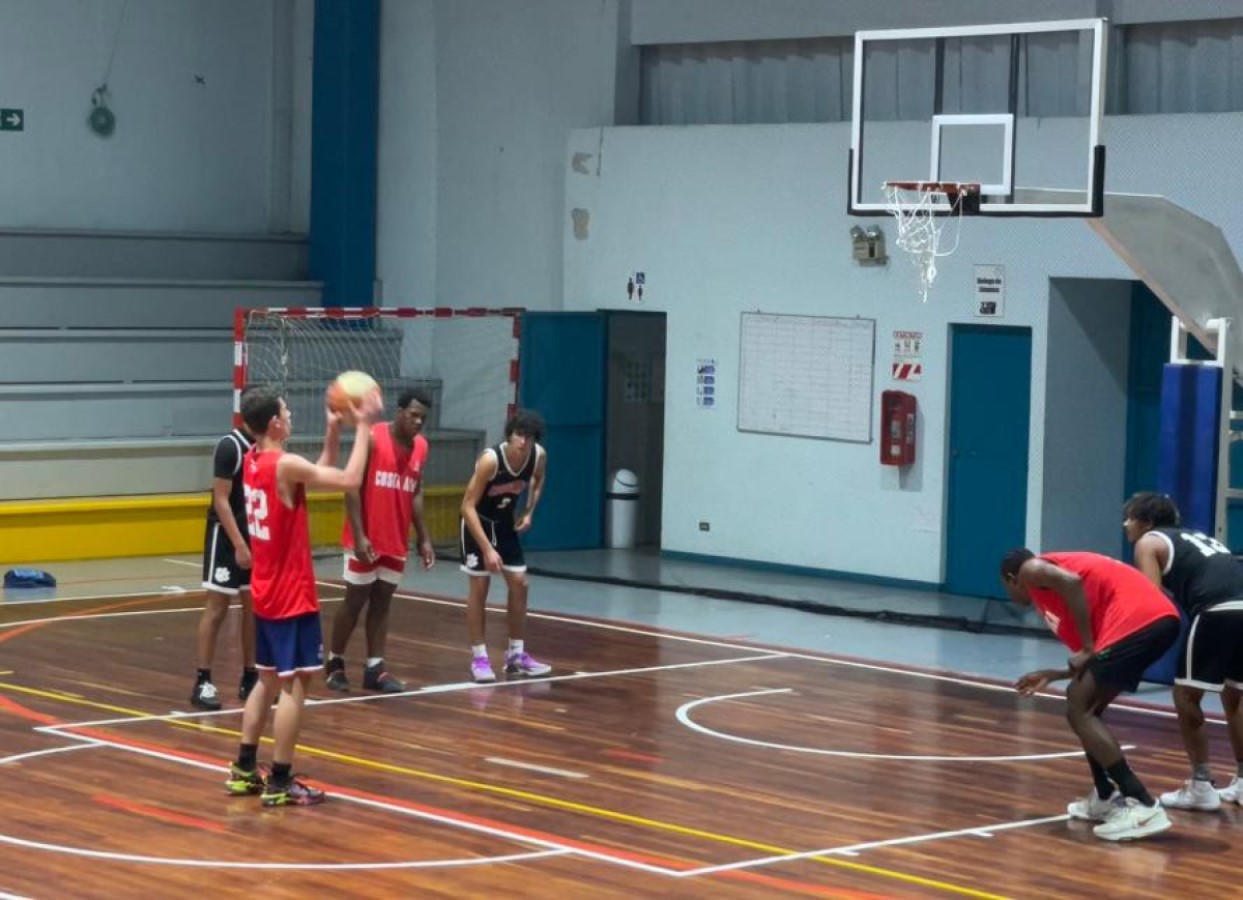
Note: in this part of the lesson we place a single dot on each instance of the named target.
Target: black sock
(281, 776)
(1104, 787)
(1129, 784)
(248, 757)
(250, 675)
(204, 675)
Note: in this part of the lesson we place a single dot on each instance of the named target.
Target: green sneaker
(243, 782)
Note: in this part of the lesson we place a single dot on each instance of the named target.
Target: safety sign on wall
(705, 383)
(908, 355)
(990, 290)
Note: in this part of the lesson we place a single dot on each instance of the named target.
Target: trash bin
(621, 519)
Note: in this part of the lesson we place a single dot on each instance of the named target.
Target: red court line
(23, 629)
(518, 832)
(163, 815)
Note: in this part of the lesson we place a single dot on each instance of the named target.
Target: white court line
(35, 753)
(7, 896)
(856, 849)
(277, 866)
(796, 654)
(530, 767)
(430, 689)
(683, 716)
(632, 629)
(554, 847)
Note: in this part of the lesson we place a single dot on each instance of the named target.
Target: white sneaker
(1092, 808)
(1231, 793)
(1194, 794)
(1130, 820)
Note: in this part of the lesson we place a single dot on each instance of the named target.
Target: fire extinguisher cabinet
(898, 415)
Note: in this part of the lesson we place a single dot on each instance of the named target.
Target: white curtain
(1162, 68)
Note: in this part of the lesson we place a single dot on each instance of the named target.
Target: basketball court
(651, 763)
(666, 755)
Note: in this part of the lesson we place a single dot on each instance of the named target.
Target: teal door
(989, 413)
(562, 376)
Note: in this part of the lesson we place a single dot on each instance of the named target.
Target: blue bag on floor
(18, 578)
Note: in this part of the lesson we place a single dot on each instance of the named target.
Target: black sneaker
(376, 679)
(334, 669)
(205, 696)
(249, 680)
(296, 793)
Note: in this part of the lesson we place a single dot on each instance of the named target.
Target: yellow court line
(540, 799)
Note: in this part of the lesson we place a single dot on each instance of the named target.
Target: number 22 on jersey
(257, 513)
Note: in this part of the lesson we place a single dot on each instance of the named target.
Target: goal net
(465, 360)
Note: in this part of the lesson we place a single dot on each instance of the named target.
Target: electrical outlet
(705, 526)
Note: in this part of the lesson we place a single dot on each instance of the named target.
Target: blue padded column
(345, 107)
(1187, 453)
(1187, 461)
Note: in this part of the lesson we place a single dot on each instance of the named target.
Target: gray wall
(212, 106)
(1086, 413)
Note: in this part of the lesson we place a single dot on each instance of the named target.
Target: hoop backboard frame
(1009, 199)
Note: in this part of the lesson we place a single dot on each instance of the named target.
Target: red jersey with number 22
(392, 479)
(1121, 600)
(282, 581)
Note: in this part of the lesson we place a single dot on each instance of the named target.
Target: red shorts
(384, 568)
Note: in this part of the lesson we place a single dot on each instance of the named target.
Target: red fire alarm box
(897, 428)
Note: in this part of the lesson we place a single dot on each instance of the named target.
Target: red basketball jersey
(1121, 600)
(389, 485)
(282, 580)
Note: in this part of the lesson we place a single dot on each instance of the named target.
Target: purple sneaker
(525, 664)
(481, 669)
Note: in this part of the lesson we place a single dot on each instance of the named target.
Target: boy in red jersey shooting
(288, 640)
(1116, 624)
(376, 539)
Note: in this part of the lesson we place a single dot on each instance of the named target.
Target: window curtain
(1159, 68)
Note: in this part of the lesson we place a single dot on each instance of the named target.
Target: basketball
(348, 390)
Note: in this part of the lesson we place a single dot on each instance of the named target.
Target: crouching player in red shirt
(1116, 623)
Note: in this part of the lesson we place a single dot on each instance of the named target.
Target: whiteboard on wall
(807, 376)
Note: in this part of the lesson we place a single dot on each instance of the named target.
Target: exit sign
(12, 120)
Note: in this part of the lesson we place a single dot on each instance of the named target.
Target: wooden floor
(652, 764)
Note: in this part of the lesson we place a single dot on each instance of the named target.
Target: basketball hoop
(921, 208)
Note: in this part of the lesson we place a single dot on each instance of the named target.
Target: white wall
(407, 154)
(1085, 426)
(185, 156)
(725, 219)
(486, 132)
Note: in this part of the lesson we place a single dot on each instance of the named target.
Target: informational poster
(908, 355)
(990, 291)
(705, 383)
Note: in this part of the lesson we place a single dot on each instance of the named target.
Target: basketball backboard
(1016, 108)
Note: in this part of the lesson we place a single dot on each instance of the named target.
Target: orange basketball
(348, 391)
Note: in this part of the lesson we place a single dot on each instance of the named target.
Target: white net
(464, 360)
(915, 207)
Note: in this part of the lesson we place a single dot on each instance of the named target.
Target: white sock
(515, 647)
(478, 650)
(373, 661)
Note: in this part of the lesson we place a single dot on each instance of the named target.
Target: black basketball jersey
(501, 495)
(227, 463)
(1201, 570)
